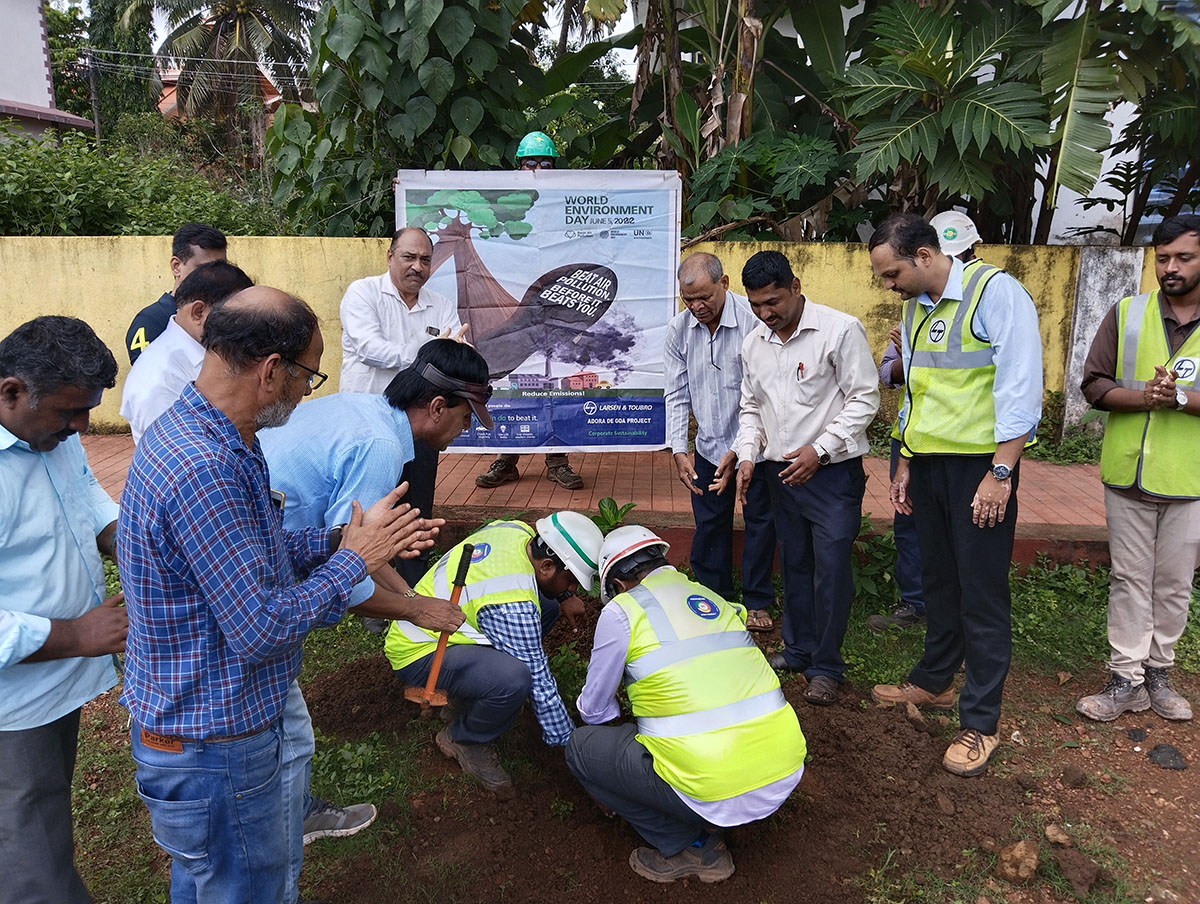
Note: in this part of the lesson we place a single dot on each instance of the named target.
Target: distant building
(585, 379)
(26, 85)
(530, 381)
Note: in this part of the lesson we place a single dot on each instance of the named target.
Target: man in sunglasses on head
(349, 446)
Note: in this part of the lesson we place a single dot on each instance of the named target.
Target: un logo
(937, 331)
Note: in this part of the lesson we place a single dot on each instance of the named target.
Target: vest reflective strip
(418, 635)
(441, 582)
(660, 623)
(709, 720)
(1133, 331)
(954, 356)
(685, 649)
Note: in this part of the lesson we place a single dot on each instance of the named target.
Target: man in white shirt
(173, 360)
(703, 370)
(809, 390)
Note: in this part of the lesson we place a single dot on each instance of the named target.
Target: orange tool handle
(460, 579)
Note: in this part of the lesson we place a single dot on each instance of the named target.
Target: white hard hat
(621, 544)
(956, 232)
(575, 540)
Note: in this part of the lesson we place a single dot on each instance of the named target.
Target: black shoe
(901, 617)
(778, 662)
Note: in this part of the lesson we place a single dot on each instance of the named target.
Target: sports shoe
(901, 617)
(907, 692)
(479, 761)
(1118, 696)
(565, 477)
(500, 472)
(324, 820)
(969, 752)
(1163, 699)
(711, 863)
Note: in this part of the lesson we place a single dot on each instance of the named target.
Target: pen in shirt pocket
(800, 371)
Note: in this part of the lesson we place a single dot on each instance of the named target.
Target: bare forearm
(1009, 452)
(1124, 400)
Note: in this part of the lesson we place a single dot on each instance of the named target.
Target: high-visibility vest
(709, 708)
(500, 572)
(951, 373)
(1155, 450)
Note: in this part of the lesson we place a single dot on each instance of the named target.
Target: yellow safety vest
(500, 572)
(951, 371)
(708, 707)
(1155, 450)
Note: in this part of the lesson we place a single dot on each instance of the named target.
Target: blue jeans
(297, 748)
(908, 551)
(217, 809)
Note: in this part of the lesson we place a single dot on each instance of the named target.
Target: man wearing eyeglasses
(703, 369)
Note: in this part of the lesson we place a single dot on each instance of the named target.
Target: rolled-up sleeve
(21, 635)
(1008, 320)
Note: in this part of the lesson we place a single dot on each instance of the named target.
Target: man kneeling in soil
(519, 578)
(715, 743)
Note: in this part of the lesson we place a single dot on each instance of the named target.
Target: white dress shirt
(381, 334)
(158, 376)
(703, 375)
(820, 386)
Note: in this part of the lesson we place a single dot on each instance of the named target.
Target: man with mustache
(1141, 369)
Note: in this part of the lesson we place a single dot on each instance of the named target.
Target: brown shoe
(710, 863)
(500, 472)
(479, 761)
(969, 752)
(565, 477)
(917, 696)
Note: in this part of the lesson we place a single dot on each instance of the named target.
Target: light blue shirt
(703, 375)
(334, 450)
(1006, 318)
(51, 511)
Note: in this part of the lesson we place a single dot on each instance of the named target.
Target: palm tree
(220, 48)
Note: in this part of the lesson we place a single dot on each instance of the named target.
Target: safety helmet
(536, 144)
(575, 540)
(620, 545)
(956, 232)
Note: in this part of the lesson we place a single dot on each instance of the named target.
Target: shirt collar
(8, 440)
(808, 321)
(728, 314)
(212, 417)
(953, 289)
(400, 421)
(389, 288)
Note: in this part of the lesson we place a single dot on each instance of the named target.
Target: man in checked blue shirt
(217, 614)
(355, 445)
(703, 370)
(57, 631)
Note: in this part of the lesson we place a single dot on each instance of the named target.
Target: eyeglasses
(316, 380)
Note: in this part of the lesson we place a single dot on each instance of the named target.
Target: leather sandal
(759, 620)
(821, 691)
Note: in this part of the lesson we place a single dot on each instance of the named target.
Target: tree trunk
(1186, 183)
(1140, 199)
(1046, 211)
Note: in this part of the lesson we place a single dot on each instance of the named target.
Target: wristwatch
(823, 457)
(1180, 398)
(1001, 472)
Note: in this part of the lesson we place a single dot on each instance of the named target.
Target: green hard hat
(536, 144)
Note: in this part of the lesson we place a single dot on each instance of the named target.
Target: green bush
(65, 185)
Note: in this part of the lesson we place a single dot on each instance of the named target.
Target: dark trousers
(421, 474)
(618, 772)
(816, 523)
(908, 550)
(37, 849)
(553, 459)
(712, 544)
(964, 573)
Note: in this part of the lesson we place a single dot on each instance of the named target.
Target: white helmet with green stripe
(576, 541)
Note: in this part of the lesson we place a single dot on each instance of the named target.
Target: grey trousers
(37, 848)
(618, 772)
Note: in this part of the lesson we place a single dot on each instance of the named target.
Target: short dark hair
(245, 333)
(456, 360)
(1173, 227)
(767, 268)
(211, 283)
(906, 233)
(403, 229)
(48, 353)
(196, 235)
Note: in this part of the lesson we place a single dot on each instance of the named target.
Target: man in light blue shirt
(703, 375)
(57, 630)
(332, 451)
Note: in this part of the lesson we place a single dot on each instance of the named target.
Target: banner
(567, 280)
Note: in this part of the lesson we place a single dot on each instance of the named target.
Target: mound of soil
(873, 784)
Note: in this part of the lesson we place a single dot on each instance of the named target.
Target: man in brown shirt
(1146, 380)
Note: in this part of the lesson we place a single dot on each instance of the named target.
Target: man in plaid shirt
(217, 613)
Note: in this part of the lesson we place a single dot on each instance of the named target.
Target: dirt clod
(1018, 862)
(1167, 757)
(1077, 869)
(1136, 734)
(1056, 834)
(945, 804)
(1073, 776)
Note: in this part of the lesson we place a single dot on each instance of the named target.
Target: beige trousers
(1154, 547)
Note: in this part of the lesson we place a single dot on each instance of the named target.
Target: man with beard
(217, 612)
(1141, 369)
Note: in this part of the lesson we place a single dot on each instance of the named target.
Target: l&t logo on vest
(937, 331)
(481, 552)
(703, 606)
(1185, 367)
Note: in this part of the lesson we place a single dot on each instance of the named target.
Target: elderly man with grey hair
(703, 371)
